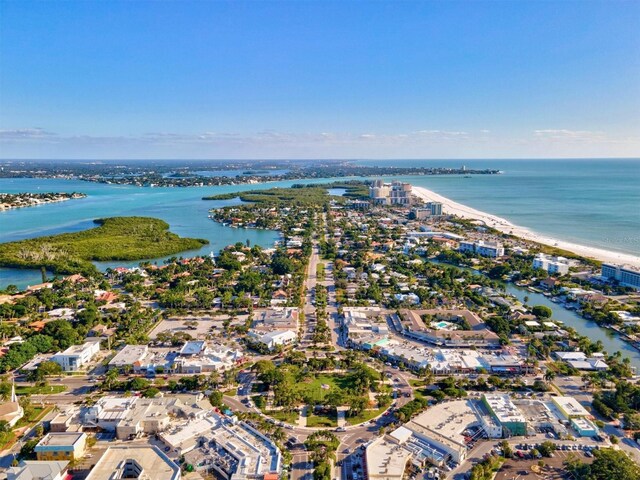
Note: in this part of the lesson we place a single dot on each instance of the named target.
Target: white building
(135, 461)
(551, 264)
(395, 193)
(486, 249)
(626, 275)
(130, 355)
(275, 338)
(436, 437)
(129, 417)
(74, 357)
(11, 411)
(38, 470)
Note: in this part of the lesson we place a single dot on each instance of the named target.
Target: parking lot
(528, 468)
(205, 325)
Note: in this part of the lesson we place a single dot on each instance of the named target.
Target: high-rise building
(625, 275)
(435, 207)
(395, 193)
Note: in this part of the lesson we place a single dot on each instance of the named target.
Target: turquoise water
(589, 202)
(182, 208)
(592, 202)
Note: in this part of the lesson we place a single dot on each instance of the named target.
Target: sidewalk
(302, 419)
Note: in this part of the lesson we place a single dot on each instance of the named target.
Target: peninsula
(117, 238)
(213, 173)
(20, 200)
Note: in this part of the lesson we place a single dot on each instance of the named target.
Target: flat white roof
(571, 406)
(504, 409)
(386, 459)
(155, 463)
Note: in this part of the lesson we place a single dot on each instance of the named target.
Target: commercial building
(203, 358)
(61, 446)
(551, 264)
(386, 459)
(76, 356)
(580, 361)
(38, 470)
(625, 275)
(129, 356)
(445, 333)
(275, 327)
(576, 415)
(223, 446)
(438, 437)
(485, 249)
(274, 339)
(506, 413)
(570, 407)
(129, 417)
(193, 358)
(141, 462)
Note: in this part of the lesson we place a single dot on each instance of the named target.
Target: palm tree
(549, 375)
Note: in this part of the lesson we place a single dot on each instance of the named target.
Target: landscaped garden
(314, 383)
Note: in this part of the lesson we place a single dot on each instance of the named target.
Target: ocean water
(589, 202)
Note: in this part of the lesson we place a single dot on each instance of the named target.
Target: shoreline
(454, 208)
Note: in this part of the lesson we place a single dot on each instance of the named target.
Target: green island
(116, 238)
(299, 195)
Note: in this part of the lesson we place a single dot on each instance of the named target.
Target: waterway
(611, 340)
(187, 214)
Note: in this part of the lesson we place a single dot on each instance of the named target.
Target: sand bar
(463, 211)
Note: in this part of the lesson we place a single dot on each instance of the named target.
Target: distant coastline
(504, 226)
(9, 201)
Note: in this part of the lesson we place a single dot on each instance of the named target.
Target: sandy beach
(463, 211)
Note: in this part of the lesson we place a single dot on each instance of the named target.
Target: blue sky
(311, 79)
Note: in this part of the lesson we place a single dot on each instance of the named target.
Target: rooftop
(571, 406)
(64, 439)
(129, 355)
(386, 459)
(153, 463)
(503, 408)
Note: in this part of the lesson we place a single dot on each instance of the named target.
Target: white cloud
(570, 135)
(25, 134)
(419, 143)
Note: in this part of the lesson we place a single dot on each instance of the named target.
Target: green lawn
(365, 416)
(283, 416)
(421, 393)
(320, 272)
(314, 391)
(38, 414)
(322, 420)
(46, 390)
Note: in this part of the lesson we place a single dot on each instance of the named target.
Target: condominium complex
(551, 264)
(486, 249)
(395, 193)
(626, 275)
